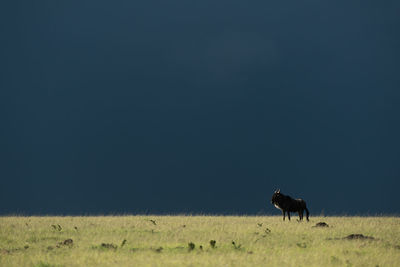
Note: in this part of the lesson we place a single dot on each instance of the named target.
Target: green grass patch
(199, 241)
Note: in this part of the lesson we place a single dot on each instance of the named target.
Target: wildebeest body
(288, 204)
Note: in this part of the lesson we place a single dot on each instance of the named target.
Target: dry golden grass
(164, 241)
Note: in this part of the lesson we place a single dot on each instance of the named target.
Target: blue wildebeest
(288, 204)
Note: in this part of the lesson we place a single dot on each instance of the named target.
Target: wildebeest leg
(300, 213)
(283, 212)
(307, 214)
(288, 215)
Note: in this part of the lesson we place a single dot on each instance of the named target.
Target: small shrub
(158, 249)
(212, 243)
(191, 246)
(301, 245)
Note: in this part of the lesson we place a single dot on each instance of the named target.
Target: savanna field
(198, 241)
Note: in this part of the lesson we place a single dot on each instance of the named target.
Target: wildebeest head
(276, 196)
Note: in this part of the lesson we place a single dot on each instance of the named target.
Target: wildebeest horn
(278, 191)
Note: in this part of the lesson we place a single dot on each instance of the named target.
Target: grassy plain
(164, 241)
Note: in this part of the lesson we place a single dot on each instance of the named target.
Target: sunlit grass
(185, 240)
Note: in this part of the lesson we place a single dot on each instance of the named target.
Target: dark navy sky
(199, 106)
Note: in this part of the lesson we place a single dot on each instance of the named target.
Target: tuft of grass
(43, 264)
(108, 246)
(235, 246)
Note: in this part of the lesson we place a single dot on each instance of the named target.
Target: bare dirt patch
(359, 237)
(67, 242)
(321, 224)
(108, 246)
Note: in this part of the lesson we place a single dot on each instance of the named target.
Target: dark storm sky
(199, 106)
